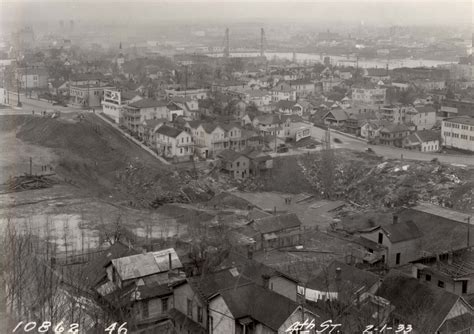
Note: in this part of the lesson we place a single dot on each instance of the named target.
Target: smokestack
(169, 260)
(395, 219)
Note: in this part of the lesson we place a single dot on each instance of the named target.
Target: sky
(376, 12)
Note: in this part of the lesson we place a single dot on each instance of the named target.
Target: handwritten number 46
(120, 330)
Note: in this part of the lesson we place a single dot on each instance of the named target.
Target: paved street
(30, 104)
(388, 151)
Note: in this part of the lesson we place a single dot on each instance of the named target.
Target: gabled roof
(424, 136)
(142, 265)
(422, 305)
(277, 223)
(423, 109)
(337, 114)
(229, 155)
(260, 304)
(152, 123)
(168, 131)
(351, 277)
(148, 103)
(283, 105)
(254, 154)
(94, 272)
(87, 76)
(402, 231)
(395, 128)
(209, 284)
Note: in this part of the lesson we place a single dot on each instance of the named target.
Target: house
(113, 102)
(137, 112)
(175, 110)
(33, 77)
(252, 308)
(277, 231)
(370, 130)
(453, 271)
(259, 161)
(283, 91)
(138, 287)
(342, 282)
(189, 106)
(401, 239)
(87, 89)
(458, 132)
(395, 114)
(369, 95)
(146, 130)
(191, 298)
(354, 122)
(393, 134)
(303, 87)
(174, 143)
(439, 231)
(427, 309)
(423, 141)
(284, 106)
(422, 117)
(234, 163)
(336, 117)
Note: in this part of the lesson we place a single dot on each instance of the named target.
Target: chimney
(169, 260)
(395, 219)
(338, 273)
(450, 258)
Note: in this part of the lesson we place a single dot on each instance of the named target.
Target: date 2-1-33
(48, 327)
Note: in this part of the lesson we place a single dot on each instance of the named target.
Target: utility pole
(227, 47)
(262, 41)
(468, 219)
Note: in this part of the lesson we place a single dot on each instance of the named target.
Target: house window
(380, 237)
(238, 163)
(428, 277)
(164, 305)
(145, 311)
(211, 325)
(190, 308)
(464, 286)
(441, 284)
(199, 314)
(397, 259)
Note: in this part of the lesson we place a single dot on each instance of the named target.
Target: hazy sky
(401, 12)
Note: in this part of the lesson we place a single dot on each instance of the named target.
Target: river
(343, 60)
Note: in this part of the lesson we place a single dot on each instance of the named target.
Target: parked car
(369, 150)
(282, 148)
(337, 140)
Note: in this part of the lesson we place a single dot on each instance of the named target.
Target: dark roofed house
(423, 141)
(278, 231)
(428, 309)
(336, 117)
(191, 298)
(253, 308)
(259, 161)
(402, 240)
(394, 134)
(234, 163)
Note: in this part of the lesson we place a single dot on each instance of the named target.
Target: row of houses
(155, 291)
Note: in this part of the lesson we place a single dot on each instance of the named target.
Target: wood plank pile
(29, 182)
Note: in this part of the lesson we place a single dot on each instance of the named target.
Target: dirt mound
(92, 155)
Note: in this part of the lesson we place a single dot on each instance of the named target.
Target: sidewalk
(129, 137)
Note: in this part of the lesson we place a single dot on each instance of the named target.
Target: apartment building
(458, 132)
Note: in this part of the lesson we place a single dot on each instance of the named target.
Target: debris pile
(394, 183)
(29, 182)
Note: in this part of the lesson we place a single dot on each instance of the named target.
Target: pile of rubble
(28, 182)
(395, 183)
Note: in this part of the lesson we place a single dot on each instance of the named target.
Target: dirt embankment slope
(94, 156)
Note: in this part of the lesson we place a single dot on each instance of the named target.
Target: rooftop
(462, 120)
(422, 305)
(277, 223)
(148, 103)
(150, 263)
(168, 131)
